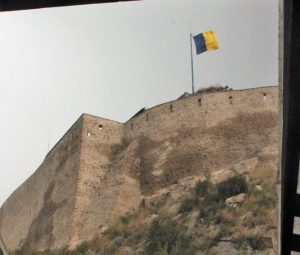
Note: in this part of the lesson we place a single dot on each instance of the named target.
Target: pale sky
(111, 60)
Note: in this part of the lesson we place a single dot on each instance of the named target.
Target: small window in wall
(88, 133)
(199, 102)
(147, 116)
(265, 96)
(100, 127)
(171, 108)
(230, 99)
(131, 126)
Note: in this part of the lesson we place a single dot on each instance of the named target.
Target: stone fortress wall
(200, 110)
(98, 137)
(53, 185)
(49, 209)
(60, 203)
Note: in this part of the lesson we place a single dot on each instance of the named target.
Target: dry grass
(265, 172)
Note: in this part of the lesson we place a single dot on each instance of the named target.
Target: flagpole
(192, 61)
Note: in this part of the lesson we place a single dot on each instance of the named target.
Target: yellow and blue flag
(205, 41)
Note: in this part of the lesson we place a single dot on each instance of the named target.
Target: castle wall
(98, 137)
(200, 110)
(40, 211)
(76, 191)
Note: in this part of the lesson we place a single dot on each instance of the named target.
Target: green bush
(210, 198)
(165, 236)
(207, 199)
(187, 205)
(210, 207)
(202, 188)
(233, 186)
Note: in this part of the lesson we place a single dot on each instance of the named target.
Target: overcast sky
(110, 60)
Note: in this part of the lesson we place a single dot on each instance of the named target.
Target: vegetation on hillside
(165, 236)
(160, 231)
(209, 199)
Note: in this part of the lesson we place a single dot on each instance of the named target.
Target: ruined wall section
(99, 137)
(38, 214)
(200, 110)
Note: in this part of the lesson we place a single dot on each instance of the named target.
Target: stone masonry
(91, 176)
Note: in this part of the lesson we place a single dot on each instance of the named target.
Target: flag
(205, 41)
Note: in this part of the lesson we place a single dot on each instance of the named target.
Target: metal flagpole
(192, 61)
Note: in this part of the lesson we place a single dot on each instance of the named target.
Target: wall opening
(265, 96)
(199, 102)
(147, 116)
(171, 108)
(131, 126)
(100, 127)
(230, 99)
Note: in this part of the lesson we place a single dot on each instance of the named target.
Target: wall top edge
(101, 118)
(195, 95)
(201, 94)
